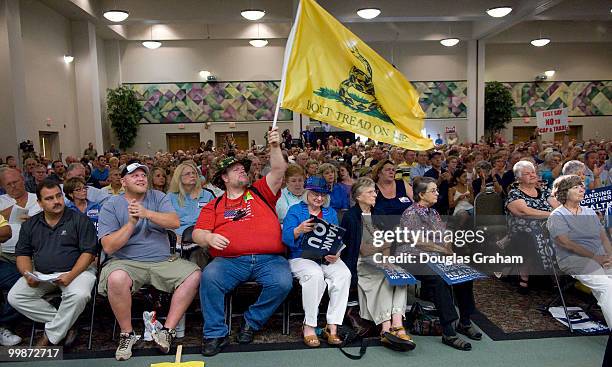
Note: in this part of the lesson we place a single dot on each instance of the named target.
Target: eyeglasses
(81, 189)
(432, 191)
(318, 194)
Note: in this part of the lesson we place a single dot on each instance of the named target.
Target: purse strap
(350, 337)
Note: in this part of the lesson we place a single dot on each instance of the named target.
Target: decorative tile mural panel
(255, 101)
(586, 98)
(443, 99)
(203, 102)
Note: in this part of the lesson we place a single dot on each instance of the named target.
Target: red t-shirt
(258, 232)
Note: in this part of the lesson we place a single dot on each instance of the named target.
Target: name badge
(201, 204)
(404, 199)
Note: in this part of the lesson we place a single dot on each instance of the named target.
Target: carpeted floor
(552, 352)
(504, 314)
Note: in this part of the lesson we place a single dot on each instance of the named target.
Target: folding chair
(187, 245)
(568, 285)
(229, 308)
(488, 206)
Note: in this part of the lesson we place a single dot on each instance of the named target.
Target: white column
(480, 117)
(87, 85)
(475, 89)
(472, 90)
(13, 122)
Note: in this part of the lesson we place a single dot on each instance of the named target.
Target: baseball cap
(130, 168)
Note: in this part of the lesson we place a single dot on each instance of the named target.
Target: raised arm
(278, 166)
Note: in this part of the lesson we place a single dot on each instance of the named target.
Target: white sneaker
(126, 342)
(7, 338)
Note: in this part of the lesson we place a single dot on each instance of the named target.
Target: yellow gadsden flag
(333, 76)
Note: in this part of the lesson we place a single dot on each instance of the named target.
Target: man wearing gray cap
(132, 229)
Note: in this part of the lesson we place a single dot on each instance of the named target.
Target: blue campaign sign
(398, 277)
(456, 273)
(598, 199)
(324, 239)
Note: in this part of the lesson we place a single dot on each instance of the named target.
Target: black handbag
(355, 329)
(423, 322)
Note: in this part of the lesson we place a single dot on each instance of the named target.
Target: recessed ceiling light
(449, 42)
(116, 15)
(549, 73)
(253, 14)
(151, 45)
(68, 59)
(258, 42)
(539, 42)
(204, 74)
(499, 11)
(368, 13)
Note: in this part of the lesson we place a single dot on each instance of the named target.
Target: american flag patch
(232, 213)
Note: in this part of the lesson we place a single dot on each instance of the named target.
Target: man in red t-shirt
(242, 232)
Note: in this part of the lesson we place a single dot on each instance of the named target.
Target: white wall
(103, 85)
(180, 61)
(426, 61)
(571, 61)
(50, 83)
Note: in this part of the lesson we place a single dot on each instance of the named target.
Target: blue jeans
(8, 277)
(222, 275)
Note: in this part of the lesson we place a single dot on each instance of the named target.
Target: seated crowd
(247, 211)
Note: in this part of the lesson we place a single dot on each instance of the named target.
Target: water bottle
(180, 328)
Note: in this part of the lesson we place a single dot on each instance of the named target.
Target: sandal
(396, 341)
(469, 331)
(456, 342)
(332, 339)
(312, 341)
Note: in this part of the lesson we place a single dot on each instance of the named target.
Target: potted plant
(124, 113)
(498, 108)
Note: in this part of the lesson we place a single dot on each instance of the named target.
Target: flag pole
(288, 48)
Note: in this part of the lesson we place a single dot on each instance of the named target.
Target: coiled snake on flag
(360, 85)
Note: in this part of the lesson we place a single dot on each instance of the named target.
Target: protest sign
(450, 129)
(324, 239)
(552, 121)
(456, 273)
(398, 277)
(598, 199)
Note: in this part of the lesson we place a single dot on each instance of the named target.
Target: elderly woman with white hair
(582, 246)
(316, 274)
(579, 169)
(528, 206)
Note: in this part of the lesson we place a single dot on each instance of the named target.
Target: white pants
(29, 302)
(592, 275)
(314, 278)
